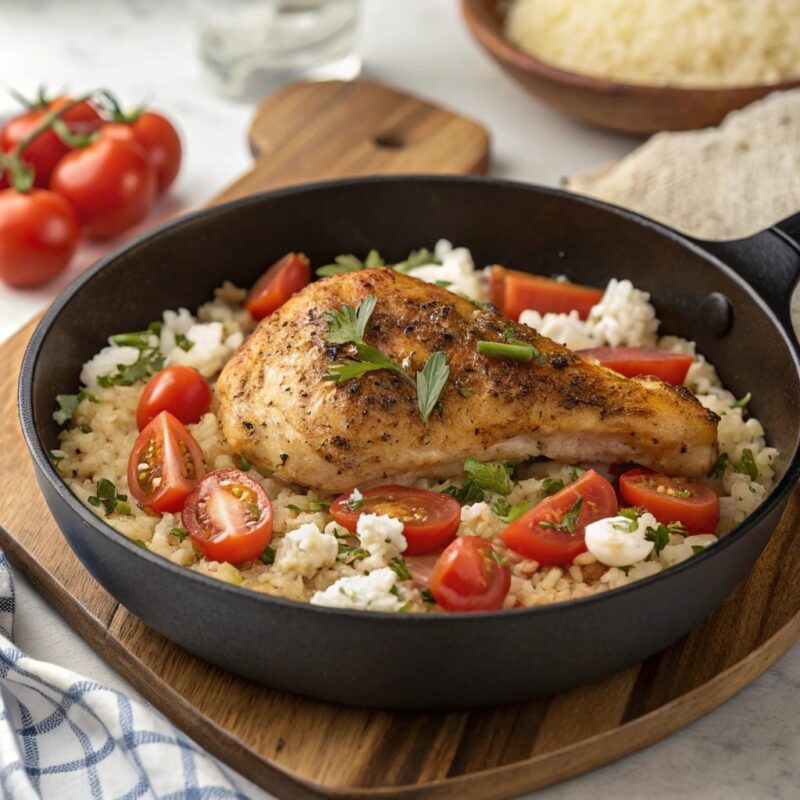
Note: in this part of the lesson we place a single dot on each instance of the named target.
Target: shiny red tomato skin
(110, 183)
(182, 391)
(39, 233)
(46, 150)
(177, 482)
(468, 577)
(513, 291)
(549, 547)
(430, 519)
(162, 144)
(633, 361)
(285, 277)
(698, 513)
(245, 540)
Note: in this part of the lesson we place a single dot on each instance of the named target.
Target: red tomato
(283, 279)
(512, 292)
(110, 183)
(46, 150)
(633, 361)
(38, 236)
(552, 532)
(691, 503)
(182, 391)
(159, 139)
(430, 519)
(229, 517)
(165, 465)
(469, 577)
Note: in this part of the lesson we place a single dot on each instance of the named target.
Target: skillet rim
(42, 461)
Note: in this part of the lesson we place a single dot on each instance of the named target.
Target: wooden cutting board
(300, 748)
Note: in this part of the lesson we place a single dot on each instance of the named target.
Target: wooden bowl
(620, 106)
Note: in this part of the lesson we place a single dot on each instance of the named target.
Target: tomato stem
(115, 109)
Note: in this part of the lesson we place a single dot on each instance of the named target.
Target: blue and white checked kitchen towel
(63, 736)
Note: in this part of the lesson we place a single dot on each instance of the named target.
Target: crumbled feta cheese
(624, 316)
(107, 362)
(382, 536)
(373, 592)
(355, 499)
(620, 541)
(306, 550)
(456, 273)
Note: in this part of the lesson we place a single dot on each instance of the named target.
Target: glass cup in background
(250, 47)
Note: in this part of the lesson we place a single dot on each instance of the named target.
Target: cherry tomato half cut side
(430, 519)
(469, 576)
(165, 465)
(283, 279)
(512, 292)
(668, 499)
(633, 361)
(229, 516)
(552, 532)
(182, 391)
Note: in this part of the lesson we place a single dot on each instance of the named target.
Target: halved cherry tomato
(46, 150)
(229, 517)
(165, 465)
(469, 576)
(430, 519)
(633, 361)
(668, 499)
(159, 139)
(38, 236)
(552, 532)
(182, 391)
(512, 292)
(284, 278)
(110, 183)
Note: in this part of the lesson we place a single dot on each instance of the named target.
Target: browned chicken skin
(278, 411)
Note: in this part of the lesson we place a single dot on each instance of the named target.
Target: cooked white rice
(100, 435)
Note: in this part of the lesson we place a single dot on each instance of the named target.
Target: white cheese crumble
(306, 550)
(107, 362)
(382, 536)
(620, 541)
(456, 273)
(373, 592)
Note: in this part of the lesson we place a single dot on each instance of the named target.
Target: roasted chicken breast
(278, 410)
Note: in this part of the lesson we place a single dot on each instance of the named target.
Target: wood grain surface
(300, 748)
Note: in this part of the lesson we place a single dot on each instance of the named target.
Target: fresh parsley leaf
(697, 548)
(722, 463)
(84, 426)
(631, 515)
(428, 598)
(106, 495)
(57, 456)
(551, 486)
(137, 339)
(576, 472)
(569, 524)
(507, 513)
(339, 373)
(244, 464)
(417, 258)
(183, 342)
(349, 263)
(149, 362)
(659, 536)
(293, 507)
(374, 259)
(181, 533)
(746, 465)
(267, 556)
(430, 382)
(467, 494)
(743, 403)
(399, 566)
(443, 284)
(491, 476)
(348, 554)
(349, 324)
(318, 505)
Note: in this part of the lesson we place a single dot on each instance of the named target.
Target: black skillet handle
(770, 262)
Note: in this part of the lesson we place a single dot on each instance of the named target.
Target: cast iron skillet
(411, 660)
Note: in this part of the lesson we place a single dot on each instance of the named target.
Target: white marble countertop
(748, 748)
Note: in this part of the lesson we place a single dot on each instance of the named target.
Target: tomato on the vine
(47, 149)
(162, 144)
(38, 236)
(110, 183)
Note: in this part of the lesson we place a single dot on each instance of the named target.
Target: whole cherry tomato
(159, 139)
(182, 391)
(287, 276)
(39, 232)
(46, 150)
(110, 183)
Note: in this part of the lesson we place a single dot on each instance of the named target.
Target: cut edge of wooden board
(527, 775)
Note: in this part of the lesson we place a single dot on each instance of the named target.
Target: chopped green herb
(697, 548)
(267, 556)
(743, 403)
(507, 513)
(443, 284)
(355, 501)
(746, 465)
(722, 463)
(140, 340)
(430, 382)
(181, 533)
(183, 342)
(149, 362)
(569, 524)
(349, 263)
(374, 259)
(498, 559)
(631, 515)
(467, 494)
(318, 505)
(576, 472)
(155, 328)
(348, 324)
(516, 352)
(84, 426)
(465, 391)
(551, 485)
(140, 543)
(348, 554)
(341, 533)
(244, 464)
(85, 394)
(417, 258)
(428, 598)
(57, 456)
(293, 507)
(492, 476)
(659, 536)
(107, 497)
(67, 403)
(399, 566)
